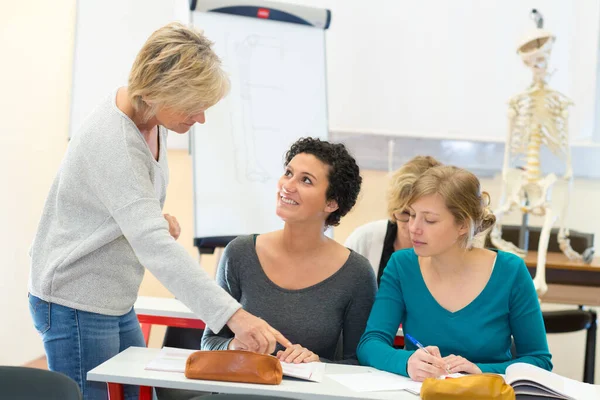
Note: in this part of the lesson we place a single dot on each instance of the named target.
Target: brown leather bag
(234, 366)
(472, 387)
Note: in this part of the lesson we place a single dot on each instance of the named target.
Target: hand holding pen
(426, 362)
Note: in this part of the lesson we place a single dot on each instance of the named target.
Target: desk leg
(145, 393)
(115, 391)
(146, 332)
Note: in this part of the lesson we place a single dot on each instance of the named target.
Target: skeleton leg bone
(539, 281)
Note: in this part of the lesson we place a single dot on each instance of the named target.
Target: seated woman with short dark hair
(306, 285)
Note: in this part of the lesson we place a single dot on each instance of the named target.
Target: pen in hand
(420, 346)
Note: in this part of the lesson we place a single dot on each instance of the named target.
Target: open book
(534, 383)
(171, 359)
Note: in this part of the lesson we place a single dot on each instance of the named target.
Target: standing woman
(102, 222)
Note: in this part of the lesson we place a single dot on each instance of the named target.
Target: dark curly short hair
(344, 174)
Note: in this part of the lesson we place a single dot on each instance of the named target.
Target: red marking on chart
(263, 13)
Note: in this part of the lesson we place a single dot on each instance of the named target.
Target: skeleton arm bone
(512, 114)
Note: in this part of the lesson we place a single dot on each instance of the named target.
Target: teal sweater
(480, 332)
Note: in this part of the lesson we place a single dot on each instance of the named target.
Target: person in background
(377, 240)
(462, 303)
(102, 222)
(306, 285)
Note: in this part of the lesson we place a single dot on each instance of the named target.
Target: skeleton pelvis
(533, 197)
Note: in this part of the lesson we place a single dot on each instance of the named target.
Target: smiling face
(432, 227)
(301, 191)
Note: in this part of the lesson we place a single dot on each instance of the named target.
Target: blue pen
(420, 346)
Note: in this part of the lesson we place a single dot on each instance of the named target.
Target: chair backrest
(579, 240)
(21, 383)
(183, 338)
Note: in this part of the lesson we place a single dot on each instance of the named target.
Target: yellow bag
(472, 387)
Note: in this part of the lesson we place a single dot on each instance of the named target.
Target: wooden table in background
(569, 282)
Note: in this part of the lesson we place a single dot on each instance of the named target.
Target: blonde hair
(402, 180)
(176, 68)
(462, 194)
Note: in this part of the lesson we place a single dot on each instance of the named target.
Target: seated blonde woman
(377, 240)
(463, 303)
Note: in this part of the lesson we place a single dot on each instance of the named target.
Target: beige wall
(36, 40)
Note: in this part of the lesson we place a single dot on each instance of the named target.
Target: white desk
(128, 368)
(172, 312)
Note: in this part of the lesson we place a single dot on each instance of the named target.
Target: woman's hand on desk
(460, 364)
(254, 333)
(297, 354)
(422, 365)
(174, 228)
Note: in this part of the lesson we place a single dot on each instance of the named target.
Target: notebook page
(524, 376)
(314, 371)
(580, 390)
(170, 359)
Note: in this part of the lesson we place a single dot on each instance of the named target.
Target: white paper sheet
(309, 371)
(170, 359)
(415, 388)
(373, 381)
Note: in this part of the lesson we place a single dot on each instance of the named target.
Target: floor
(40, 363)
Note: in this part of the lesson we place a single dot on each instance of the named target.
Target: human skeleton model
(537, 117)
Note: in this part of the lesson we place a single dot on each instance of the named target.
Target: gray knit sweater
(313, 317)
(102, 224)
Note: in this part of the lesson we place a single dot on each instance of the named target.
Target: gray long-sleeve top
(102, 223)
(313, 317)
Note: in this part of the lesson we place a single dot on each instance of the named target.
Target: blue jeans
(77, 341)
